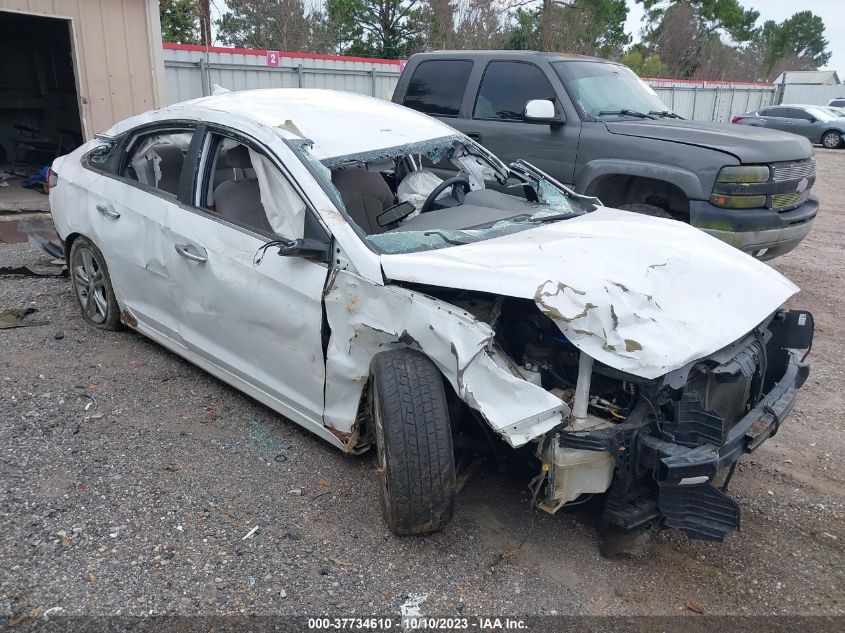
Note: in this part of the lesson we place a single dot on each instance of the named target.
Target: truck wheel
(647, 209)
(414, 442)
(89, 277)
(831, 139)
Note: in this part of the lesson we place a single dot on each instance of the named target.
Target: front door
(253, 314)
(497, 120)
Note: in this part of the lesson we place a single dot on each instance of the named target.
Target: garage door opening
(39, 105)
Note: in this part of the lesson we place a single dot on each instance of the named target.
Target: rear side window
(156, 159)
(437, 86)
(507, 87)
(778, 113)
(798, 113)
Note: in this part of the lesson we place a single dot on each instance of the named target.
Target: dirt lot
(130, 479)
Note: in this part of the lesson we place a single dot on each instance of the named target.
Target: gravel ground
(131, 481)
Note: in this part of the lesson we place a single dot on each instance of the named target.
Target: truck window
(437, 86)
(506, 87)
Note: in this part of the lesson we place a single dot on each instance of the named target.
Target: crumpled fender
(366, 318)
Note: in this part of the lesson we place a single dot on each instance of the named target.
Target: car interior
(372, 190)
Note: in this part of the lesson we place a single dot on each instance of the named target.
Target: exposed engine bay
(656, 445)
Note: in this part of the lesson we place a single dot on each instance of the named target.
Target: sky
(831, 11)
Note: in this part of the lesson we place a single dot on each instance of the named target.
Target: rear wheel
(647, 209)
(414, 441)
(91, 283)
(831, 139)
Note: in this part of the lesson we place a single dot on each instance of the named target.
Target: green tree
(269, 24)
(180, 21)
(378, 28)
(799, 39)
(587, 27)
(643, 62)
(711, 16)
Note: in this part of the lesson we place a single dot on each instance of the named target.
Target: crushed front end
(663, 449)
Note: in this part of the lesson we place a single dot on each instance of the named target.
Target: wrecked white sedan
(380, 279)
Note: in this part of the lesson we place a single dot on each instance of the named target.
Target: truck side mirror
(540, 111)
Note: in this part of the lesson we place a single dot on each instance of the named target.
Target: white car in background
(312, 249)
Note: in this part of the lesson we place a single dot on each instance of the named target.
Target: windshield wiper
(553, 218)
(625, 112)
(666, 113)
(446, 239)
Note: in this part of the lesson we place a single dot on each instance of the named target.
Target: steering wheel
(457, 194)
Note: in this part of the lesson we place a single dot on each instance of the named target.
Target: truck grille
(783, 201)
(794, 171)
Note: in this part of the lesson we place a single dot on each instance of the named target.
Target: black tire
(647, 209)
(831, 139)
(84, 258)
(414, 442)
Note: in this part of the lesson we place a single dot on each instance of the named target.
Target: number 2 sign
(272, 58)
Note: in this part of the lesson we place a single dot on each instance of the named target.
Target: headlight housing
(744, 174)
(741, 187)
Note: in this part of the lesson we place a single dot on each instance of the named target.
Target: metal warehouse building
(72, 68)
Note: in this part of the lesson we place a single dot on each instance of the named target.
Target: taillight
(736, 119)
(52, 179)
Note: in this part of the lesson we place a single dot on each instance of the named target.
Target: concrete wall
(117, 52)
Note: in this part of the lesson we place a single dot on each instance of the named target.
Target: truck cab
(607, 134)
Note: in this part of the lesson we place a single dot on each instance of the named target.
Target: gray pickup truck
(595, 126)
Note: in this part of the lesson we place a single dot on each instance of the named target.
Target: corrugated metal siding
(115, 44)
(714, 103)
(811, 95)
(191, 73)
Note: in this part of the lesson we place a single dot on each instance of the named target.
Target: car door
(130, 205)
(801, 122)
(249, 312)
(496, 119)
(776, 118)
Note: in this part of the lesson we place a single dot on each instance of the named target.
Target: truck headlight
(744, 174)
(738, 202)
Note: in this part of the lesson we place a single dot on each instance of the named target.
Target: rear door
(777, 118)
(247, 311)
(130, 207)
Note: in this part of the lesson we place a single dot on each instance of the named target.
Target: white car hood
(643, 295)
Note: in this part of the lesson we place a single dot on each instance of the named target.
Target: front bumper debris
(669, 471)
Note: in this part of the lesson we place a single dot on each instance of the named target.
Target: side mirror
(539, 111)
(813, 119)
(307, 247)
(316, 243)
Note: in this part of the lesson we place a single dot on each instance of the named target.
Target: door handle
(475, 136)
(107, 210)
(184, 251)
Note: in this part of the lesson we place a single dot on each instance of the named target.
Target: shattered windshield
(439, 193)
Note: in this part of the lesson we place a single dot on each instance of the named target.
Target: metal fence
(810, 94)
(192, 71)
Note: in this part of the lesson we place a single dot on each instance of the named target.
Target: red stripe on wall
(263, 53)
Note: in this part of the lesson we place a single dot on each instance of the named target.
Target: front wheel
(831, 139)
(89, 277)
(414, 441)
